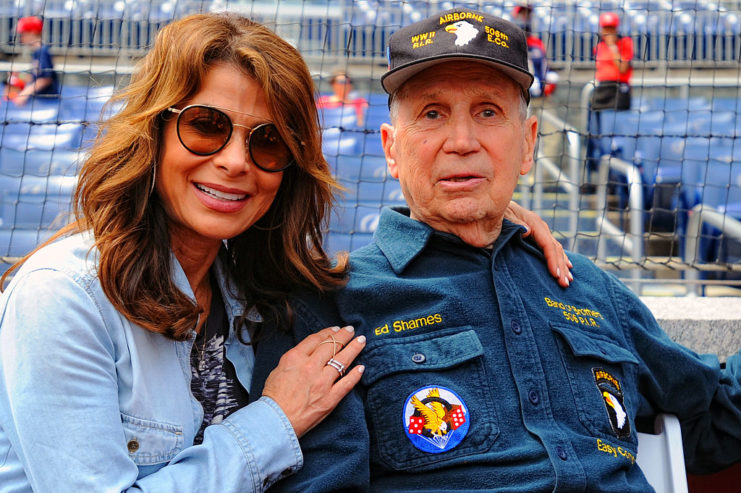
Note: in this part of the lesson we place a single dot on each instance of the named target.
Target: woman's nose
(234, 157)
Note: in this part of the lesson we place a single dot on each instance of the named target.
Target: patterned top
(214, 382)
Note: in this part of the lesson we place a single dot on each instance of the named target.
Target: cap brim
(392, 80)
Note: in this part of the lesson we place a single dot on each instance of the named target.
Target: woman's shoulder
(73, 255)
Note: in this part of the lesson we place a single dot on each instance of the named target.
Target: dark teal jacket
(483, 374)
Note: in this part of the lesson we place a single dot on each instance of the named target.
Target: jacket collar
(401, 238)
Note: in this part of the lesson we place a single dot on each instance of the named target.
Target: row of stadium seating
(688, 153)
(663, 31)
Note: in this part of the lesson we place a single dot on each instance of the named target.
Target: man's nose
(461, 138)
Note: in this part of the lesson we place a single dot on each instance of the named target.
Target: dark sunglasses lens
(203, 130)
(268, 150)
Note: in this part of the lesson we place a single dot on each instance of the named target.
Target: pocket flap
(151, 442)
(420, 353)
(588, 344)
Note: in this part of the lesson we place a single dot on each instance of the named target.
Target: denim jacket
(534, 387)
(91, 402)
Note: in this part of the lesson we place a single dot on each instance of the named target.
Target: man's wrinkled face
(458, 143)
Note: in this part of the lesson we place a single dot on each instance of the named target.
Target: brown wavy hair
(280, 252)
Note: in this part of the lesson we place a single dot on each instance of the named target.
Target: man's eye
(488, 113)
(432, 115)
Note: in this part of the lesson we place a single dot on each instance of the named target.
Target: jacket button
(534, 397)
(133, 445)
(418, 358)
(561, 453)
(516, 327)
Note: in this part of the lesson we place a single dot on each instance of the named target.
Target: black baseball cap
(457, 34)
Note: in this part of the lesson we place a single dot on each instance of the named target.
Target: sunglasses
(205, 130)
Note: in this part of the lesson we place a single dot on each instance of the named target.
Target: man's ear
(530, 135)
(388, 135)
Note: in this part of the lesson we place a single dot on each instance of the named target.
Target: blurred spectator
(613, 67)
(613, 70)
(545, 79)
(43, 78)
(343, 94)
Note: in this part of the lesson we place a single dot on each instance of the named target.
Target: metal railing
(699, 216)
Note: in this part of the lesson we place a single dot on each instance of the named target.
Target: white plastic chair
(661, 457)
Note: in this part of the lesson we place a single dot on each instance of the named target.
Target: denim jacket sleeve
(702, 393)
(335, 451)
(60, 414)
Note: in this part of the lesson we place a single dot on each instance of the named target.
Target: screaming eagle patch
(435, 419)
(612, 396)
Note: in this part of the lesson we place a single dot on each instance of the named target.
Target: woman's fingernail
(567, 283)
(350, 328)
(571, 276)
(361, 339)
(360, 368)
(335, 329)
(558, 271)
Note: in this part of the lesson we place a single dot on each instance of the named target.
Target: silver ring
(337, 366)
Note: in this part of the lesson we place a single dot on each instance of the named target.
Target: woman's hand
(305, 386)
(558, 263)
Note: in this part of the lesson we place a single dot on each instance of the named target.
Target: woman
(127, 345)
(343, 95)
(101, 385)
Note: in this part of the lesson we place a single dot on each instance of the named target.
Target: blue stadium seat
(345, 242)
(18, 242)
(86, 105)
(22, 136)
(39, 162)
(32, 202)
(36, 110)
(722, 187)
(338, 117)
(373, 194)
(336, 142)
(356, 168)
(351, 218)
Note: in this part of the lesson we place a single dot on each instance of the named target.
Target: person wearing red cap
(613, 71)
(613, 53)
(43, 78)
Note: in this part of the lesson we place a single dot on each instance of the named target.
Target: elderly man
(481, 372)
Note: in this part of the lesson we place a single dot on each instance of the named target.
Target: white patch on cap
(464, 32)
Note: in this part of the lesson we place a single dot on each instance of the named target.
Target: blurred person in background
(43, 81)
(127, 342)
(545, 80)
(344, 95)
(613, 71)
(613, 62)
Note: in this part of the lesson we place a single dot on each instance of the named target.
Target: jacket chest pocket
(602, 377)
(151, 444)
(427, 401)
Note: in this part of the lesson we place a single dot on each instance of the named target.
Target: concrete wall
(703, 324)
